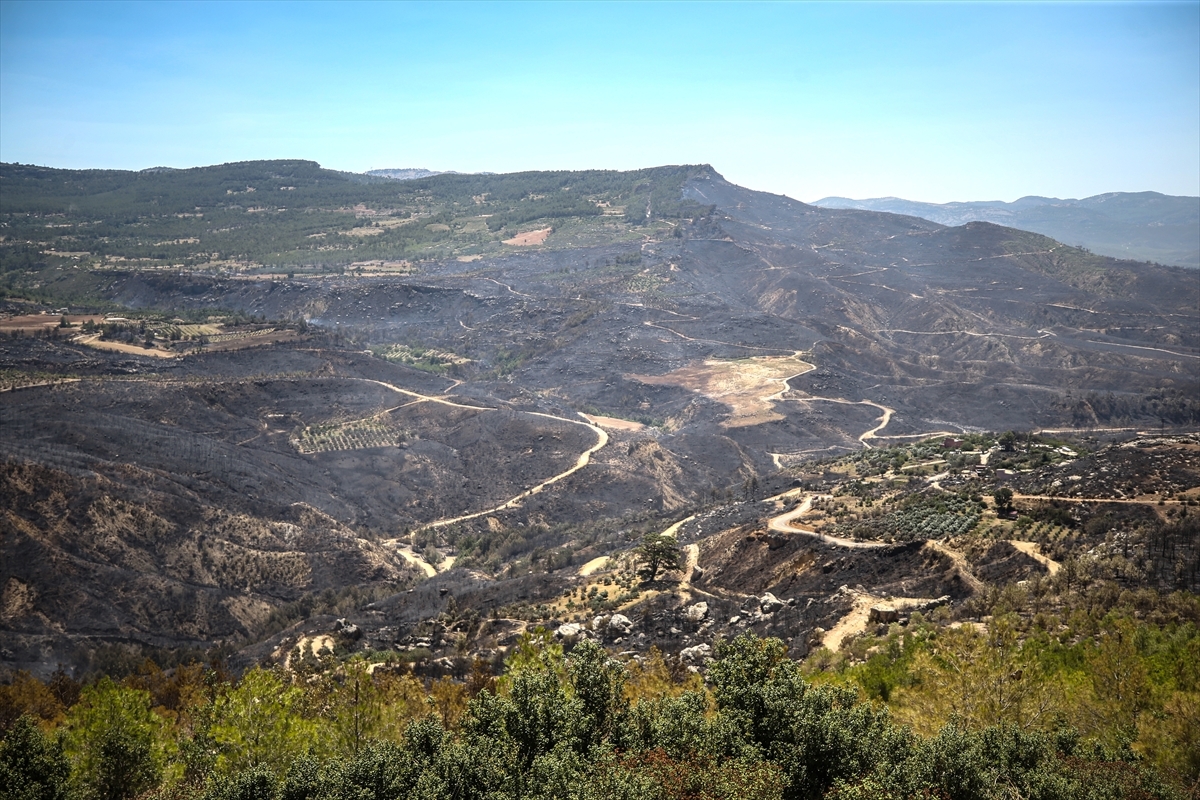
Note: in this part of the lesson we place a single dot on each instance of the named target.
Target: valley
(251, 456)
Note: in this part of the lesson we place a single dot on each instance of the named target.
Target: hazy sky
(931, 102)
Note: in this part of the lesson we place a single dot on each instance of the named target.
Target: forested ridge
(295, 214)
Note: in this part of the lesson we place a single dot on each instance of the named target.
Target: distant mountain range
(413, 173)
(1145, 226)
(410, 174)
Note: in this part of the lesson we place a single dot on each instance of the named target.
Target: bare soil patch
(749, 386)
(529, 238)
(36, 322)
(121, 347)
(614, 423)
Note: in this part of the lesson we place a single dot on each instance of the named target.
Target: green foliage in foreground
(580, 725)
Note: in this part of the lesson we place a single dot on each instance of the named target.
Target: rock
(734, 620)
(698, 652)
(929, 605)
(883, 614)
(769, 603)
(621, 624)
(599, 623)
(347, 629)
(675, 631)
(697, 574)
(570, 630)
(697, 612)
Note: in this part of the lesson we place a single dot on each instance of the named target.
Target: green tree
(257, 783)
(597, 682)
(1004, 500)
(33, 766)
(260, 723)
(354, 706)
(817, 735)
(658, 551)
(115, 742)
(980, 679)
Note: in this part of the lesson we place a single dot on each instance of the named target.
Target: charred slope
(934, 328)
(89, 560)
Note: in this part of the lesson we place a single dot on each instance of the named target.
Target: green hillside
(296, 215)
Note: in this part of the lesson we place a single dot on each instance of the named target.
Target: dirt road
(857, 620)
(964, 569)
(581, 462)
(1031, 549)
(782, 524)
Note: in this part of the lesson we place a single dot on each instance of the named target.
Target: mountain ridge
(1147, 226)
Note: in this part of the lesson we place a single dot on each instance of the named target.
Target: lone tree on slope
(658, 551)
(1004, 501)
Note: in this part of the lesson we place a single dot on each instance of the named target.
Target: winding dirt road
(583, 460)
(1031, 549)
(783, 524)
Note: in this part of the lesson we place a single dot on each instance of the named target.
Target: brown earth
(529, 238)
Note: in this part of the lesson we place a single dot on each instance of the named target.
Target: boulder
(698, 652)
(883, 614)
(697, 612)
(620, 624)
(347, 629)
(570, 630)
(929, 605)
(769, 603)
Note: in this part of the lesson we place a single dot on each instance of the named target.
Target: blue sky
(933, 102)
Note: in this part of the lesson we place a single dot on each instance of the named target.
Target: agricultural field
(377, 431)
(422, 358)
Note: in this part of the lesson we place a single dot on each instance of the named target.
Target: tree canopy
(658, 551)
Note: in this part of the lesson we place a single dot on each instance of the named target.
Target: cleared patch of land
(749, 386)
(614, 423)
(37, 322)
(529, 238)
(120, 347)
